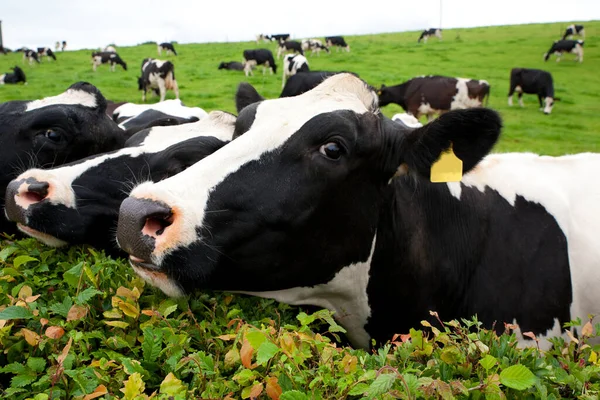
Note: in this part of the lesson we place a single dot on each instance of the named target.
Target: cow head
(548, 104)
(295, 199)
(385, 96)
(19, 74)
(223, 65)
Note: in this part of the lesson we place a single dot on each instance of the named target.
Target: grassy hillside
(483, 53)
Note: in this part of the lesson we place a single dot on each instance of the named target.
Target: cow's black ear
(246, 95)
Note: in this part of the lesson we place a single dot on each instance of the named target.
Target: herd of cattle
(316, 198)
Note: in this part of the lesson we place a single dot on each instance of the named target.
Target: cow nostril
(157, 223)
(35, 192)
(32, 197)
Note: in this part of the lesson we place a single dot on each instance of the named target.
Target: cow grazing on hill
(57, 46)
(53, 131)
(158, 74)
(314, 45)
(31, 55)
(167, 47)
(532, 81)
(566, 46)
(13, 77)
(232, 65)
(256, 57)
(427, 33)
(101, 57)
(341, 196)
(110, 49)
(430, 95)
(46, 51)
(292, 64)
(574, 30)
(338, 42)
(79, 203)
(279, 37)
(289, 45)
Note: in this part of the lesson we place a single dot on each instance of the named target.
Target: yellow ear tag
(448, 168)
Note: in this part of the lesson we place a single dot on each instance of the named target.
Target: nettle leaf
(16, 312)
(517, 377)
(152, 344)
(6, 252)
(294, 395)
(84, 296)
(14, 368)
(265, 352)
(305, 319)
(63, 308)
(167, 307)
(382, 384)
(73, 275)
(37, 364)
(20, 260)
(22, 380)
(358, 389)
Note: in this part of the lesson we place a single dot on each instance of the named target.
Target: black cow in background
(289, 45)
(427, 33)
(46, 51)
(15, 77)
(232, 65)
(337, 41)
(560, 47)
(574, 30)
(102, 57)
(256, 57)
(168, 47)
(31, 55)
(532, 81)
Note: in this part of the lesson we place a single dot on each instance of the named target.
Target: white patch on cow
(427, 110)
(345, 294)
(297, 61)
(158, 63)
(275, 122)
(510, 100)
(159, 280)
(578, 51)
(407, 119)
(48, 240)
(71, 96)
(171, 107)
(2, 79)
(548, 102)
(462, 100)
(455, 189)
(249, 65)
(518, 89)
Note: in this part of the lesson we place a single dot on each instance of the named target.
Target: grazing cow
(532, 81)
(101, 57)
(110, 49)
(280, 37)
(430, 95)
(63, 46)
(31, 55)
(292, 64)
(168, 47)
(256, 57)
(337, 41)
(289, 45)
(232, 65)
(574, 30)
(325, 201)
(314, 45)
(566, 46)
(427, 33)
(158, 74)
(15, 77)
(173, 108)
(79, 203)
(53, 131)
(262, 37)
(57, 46)
(46, 51)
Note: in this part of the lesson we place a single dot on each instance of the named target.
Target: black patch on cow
(245, 95)
(149, 118)
(245, 119)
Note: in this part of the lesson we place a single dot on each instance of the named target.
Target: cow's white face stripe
(71, 96)
(548, 102)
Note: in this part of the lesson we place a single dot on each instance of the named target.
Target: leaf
(273, 388)
(63, 308)
(358, 389)
(232, 358)
(152, 344)
(54, 332)
(167, 307)
(99, 391)
(252, 392)
(265, 352)
(118, 324)
(14, 368)
(381, 385)
(172, 386)
(23, 380)
(15, 312)
(73, 275)
(76, 312)
(6, 252)
(293, 395)
(128, 309)
(25, 292)
(65, 352)
(134, 386)
(256, 338)
(587, 330)
(517, 377)
(246, 354)
(488, 362)
(244, 377)
(20, 260)
(31, 337)
(37, 364)
(84, 296)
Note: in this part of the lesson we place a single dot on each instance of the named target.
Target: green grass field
(482, 53)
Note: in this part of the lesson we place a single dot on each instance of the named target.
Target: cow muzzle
(21, 195)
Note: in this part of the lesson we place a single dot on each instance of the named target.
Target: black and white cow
(314, 45)
(13, 77)
(63, 45)
(79, 203)
(325, 201)
(172, 107)
(256, 57)
(566, 46)
(303, 82)
(31, 56)
(101, 57)
(232, 65)
(167, 47)
(532, 81)
(46, 51)
(279, 37)
(289, 45)
(110, 49)
(574, 30)
(293, 64)
(53, 131)
(434, 94)
(338, 42)
(158, 75)
(427, 33)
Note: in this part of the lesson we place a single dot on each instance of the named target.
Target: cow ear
(246, 95)
(471, 134)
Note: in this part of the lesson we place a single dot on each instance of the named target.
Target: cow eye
(331, 150)
(52, 135)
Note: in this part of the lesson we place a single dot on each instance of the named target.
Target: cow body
(31, 56)
(427, 33)
(293, 64)
(532, 81)
(110, 49)
(232, 65)
(314, 45)
(256, 57)
(574, 30)
(279, 37)
(560, 47)
(303, 82)
(167, 47)
(79, 203)
(338, 42)
(431, 95)
(46, 51)
(63, 46)
(289, 45)
(347, 206)
(173, 107)
(15, 77)
(113, 59)
(158, 75)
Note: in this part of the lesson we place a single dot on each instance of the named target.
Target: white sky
(92, 24)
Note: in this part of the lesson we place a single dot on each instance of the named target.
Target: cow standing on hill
(64, 45)
(289, 45)
(314, 45)
(101, 57)
(46, 51)
(574, 30)
(168, 47)
(158, 75)
(427, 33)
(31, 55)
(532, 81)
(256, 57)
(566, 46)
(338, 42)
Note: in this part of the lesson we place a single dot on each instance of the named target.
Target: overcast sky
(91, 24)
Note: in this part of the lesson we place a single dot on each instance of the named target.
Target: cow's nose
(142, 223)
(21, 194)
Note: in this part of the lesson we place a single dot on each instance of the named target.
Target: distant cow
(102, 57)
(337, 41)
(574, 30)
(256, 57)
(280, 37)
(232, 65)
(566, 46)
(158, 74)
(46, 51)
(427, 33)
(168, 47)
(63, 45)
(292, 64)
(314, 45)
(57, 46)
(31, 55)
(13, 77)
(110, 49)
(289, 45)
(532, 81)
(430, 95)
